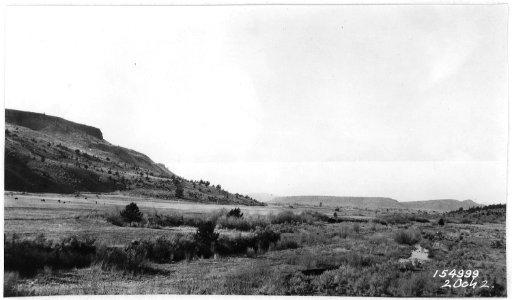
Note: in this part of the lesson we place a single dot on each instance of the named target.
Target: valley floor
(350, 258)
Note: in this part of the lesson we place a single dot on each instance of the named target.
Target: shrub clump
(206, 237)
(407, 237)
(31, 255)
(259, 241)
(308, 217)
(235, 213)
(242, 224)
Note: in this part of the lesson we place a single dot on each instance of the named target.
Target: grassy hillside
(50, 154)
(495, 213)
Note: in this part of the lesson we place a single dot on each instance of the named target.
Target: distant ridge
(50, 154)
(376, 202)
(441, 204)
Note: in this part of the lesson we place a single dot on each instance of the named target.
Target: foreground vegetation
(234, 251)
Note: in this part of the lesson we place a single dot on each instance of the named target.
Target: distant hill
(263, 197)
(440, 204)
(50, 154)
(375, 202)
(361, 202)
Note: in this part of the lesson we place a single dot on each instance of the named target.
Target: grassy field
(361, 256)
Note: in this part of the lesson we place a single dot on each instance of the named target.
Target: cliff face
(49, 154)
(49, 124)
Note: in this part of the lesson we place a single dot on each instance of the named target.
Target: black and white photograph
(255, 149)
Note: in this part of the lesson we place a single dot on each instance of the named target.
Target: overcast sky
(408, 102)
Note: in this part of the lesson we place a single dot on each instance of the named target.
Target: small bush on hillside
(441, 222)
(131, 213)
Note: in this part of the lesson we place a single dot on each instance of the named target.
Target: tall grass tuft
(407, 237)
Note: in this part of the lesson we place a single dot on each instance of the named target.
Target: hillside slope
(50, 154)
(376, 202)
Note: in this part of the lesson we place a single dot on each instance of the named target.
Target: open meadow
(80, 244)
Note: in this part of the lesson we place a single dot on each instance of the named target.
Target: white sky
(408, 102)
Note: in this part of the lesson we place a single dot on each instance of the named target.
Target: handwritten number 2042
(459, 283)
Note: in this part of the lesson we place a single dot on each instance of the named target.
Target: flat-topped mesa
(44, 123)
(47, 154)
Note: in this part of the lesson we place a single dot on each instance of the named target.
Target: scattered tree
(206, 238)
(131, 213)
(179, 192)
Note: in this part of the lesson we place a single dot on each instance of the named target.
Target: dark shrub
(29, 256)
(136, 254)
(160, 250)
(113, 258)
(235, 213)
(131, 213)
(130, 258)
(235, 245)
(441, 222)
(205, 238)
(266, 237)
(179, 193)
(183, 247)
